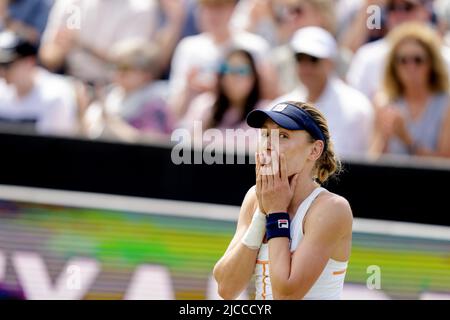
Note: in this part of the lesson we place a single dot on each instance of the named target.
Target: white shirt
(328, 286)
(367, 67)
(202, 52)
(102, 23)
(49, 107)
(349, 114)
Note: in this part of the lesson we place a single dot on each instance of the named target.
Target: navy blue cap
(287, 116)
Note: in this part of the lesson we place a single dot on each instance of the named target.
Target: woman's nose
(272, 141)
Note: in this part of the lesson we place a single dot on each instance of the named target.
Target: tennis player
(293, 235)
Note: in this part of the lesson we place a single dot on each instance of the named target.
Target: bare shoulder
(338, 204)
(331, 211)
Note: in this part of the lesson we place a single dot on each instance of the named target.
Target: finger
(265, 172)
(263, 179)
(293, 183)
(283, 168)
(258, 175)
(258, 163)
(275, 164)
(270, 178)
(258, 187)
(264, 165)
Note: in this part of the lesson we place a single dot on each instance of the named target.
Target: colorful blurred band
(72, 245)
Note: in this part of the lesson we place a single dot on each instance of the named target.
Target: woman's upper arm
(444, 139)
(248, 207)
(324, 228)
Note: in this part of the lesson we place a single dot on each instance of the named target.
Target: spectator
(136, 103)
(365, 73)
(190, 27)
(346, 12)
(81, 32)
(277, 20)
(238, 92)
(414, 108)
(358, 33)
(32, 96)
(197, 57)
(442, 9)
(299, 14)
(256, 17)
(26, 18)
(349, 113)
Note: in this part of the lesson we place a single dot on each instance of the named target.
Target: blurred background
(92, 205)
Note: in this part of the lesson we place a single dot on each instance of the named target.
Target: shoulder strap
(297, 222)
(304, 206)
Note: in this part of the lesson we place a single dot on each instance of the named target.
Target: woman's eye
(283, 135)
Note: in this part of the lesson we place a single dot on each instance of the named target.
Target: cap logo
(280, 107)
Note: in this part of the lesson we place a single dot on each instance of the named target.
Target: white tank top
(330, 283)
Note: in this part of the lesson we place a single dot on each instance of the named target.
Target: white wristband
(254, 236)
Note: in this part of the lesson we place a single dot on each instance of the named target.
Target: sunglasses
(5, 66)
(295, 10)
(302, 58)
(241, 70)
(405, 7)
(415, 59)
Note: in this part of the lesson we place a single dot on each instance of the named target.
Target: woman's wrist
(278, 225)
(254, 235)
(274, 211)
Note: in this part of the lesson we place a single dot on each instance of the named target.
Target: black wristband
(278, 226)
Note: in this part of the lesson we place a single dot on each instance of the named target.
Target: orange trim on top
(336, 273)
(262, 262)
(264, 282)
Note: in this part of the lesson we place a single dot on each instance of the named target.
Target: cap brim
(313, 53)
(257, 118)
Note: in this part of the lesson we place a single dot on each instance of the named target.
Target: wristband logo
(283, 224)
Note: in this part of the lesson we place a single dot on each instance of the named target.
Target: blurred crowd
(136, 70)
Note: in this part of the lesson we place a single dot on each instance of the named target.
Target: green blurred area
(189, 248)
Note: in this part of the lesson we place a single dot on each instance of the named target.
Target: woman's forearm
(377, 146)
(234, 271)
(357, 33)
(285, 285)
(52, 56)
(280, 268)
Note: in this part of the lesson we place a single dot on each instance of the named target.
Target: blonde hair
(426, 37)
(328, 164)
(137, 53)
